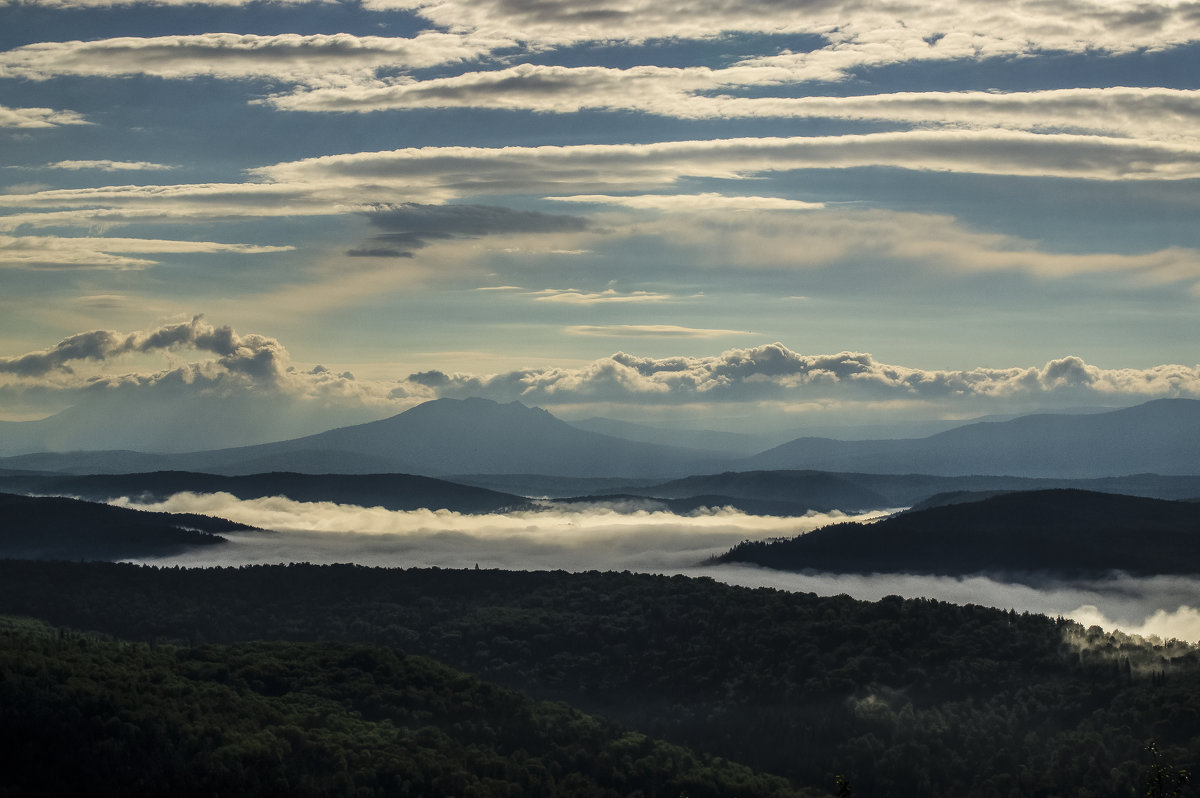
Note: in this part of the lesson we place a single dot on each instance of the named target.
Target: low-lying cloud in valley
(605, 536)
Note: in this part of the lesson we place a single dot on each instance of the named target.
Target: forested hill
(1066, 532)
(915, 697)
(310, 719)
(393, 491)
(59, 528)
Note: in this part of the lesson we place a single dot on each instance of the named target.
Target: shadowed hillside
(51, 528)
(1068, 532)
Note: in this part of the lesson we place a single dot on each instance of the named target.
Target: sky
(732, 214)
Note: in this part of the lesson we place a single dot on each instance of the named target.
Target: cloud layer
(767, 376)
(597, 537)
(775, 373)
(310, 60)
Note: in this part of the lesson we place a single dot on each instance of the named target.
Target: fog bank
(599, 537)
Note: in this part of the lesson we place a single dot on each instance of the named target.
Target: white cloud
(325, 59)
(579, 537)
(110, 166)
(1158, 606)
(630, 167)
(422, 177)
(774, 373)
(703, 202)
(31, 118)
(112, 3)
(821, 239)
(690, 93)
(878, 30)
(609, 296)
(28, 252)
(250, 354)
(194, 358)
(650, 331)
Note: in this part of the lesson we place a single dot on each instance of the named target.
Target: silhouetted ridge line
(51, 527)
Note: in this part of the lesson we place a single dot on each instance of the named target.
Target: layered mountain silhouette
(55, 528)
(445, 436)
(478, 436)
(390, 491)
(1064, 532)
(1162, 437)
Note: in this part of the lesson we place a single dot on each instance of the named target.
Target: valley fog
(601, 536)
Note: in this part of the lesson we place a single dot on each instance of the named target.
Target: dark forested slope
(912, 697)
(1068, 532)
(58, 528)
(87, 716)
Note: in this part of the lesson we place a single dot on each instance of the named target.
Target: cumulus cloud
(777, 374)
(31, 118)
(587, 537)
(770, 378)
(253, 355)
(324, 59)
(180, 386)
(27, 252)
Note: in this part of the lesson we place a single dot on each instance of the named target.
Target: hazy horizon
(248, 221)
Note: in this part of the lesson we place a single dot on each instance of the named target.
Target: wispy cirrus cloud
(702, 202)
(650, 331)
(425, 177)
(609, 296)
(326, 59)
(703, 93)
(31, 252)
(105, 165)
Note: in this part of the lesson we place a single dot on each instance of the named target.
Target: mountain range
(448, 437)
(1161, 436)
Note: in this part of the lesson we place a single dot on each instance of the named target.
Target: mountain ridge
(1069, 533)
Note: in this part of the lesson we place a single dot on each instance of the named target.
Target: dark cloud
(377, 252)
(413, 226)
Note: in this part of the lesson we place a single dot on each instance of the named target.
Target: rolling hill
(391, 491)
(1064, 532)
(55, 528)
